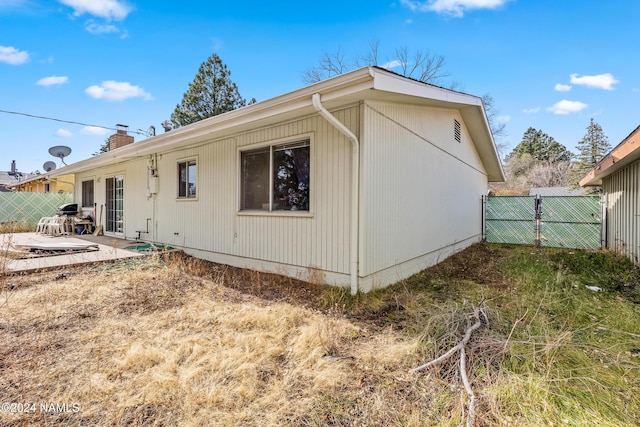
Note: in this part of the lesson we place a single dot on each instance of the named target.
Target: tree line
(541, 161)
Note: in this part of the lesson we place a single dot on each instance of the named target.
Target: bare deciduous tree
(419, 65)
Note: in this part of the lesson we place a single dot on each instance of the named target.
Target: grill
(70, 209)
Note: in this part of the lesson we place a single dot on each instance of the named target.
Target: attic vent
(456, 130)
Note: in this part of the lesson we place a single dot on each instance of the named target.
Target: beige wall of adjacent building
(622, 197)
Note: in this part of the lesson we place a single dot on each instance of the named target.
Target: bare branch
(463, 361)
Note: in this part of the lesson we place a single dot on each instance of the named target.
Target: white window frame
(307, 137)
(187, 161)
(93, 191)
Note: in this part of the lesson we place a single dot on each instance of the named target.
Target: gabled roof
(27, 179)
(623, 154)
(6, 179)
(368, 83)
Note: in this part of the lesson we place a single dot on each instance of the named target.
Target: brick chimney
(120, 138)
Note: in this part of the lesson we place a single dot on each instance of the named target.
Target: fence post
(484, 218)
(538, 219)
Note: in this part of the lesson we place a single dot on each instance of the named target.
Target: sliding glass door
(115, 205)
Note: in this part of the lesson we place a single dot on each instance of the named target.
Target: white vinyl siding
(309, 239)
(421, 193)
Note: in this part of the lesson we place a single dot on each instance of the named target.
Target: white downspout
(355, 185)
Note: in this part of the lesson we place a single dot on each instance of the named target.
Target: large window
(276, 177)
(87, 194)
(187, 174)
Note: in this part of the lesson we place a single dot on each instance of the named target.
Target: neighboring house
(360, 180)
(556, 191)
(7, 179)
(619, 176)
(45, 184)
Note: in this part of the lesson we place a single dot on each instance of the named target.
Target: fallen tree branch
(463, 361)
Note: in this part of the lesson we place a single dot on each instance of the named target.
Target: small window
(87, 194)
(187, 174)
(47, 188)
(456, 130)
(276, 178)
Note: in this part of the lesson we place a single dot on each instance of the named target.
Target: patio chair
(42, 224)
(57, 226)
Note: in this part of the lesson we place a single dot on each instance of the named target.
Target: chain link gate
(552, 221)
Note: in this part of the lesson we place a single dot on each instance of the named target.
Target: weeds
(170, 340)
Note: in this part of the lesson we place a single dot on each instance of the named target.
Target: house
(618, 173)
(556, 191)
(44, 184)
(7, 178)
(362, 180)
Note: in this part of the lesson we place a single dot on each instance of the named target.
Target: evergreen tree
(212, 92)
(541, 147)
(103, 148)
(591, 149)
(593, 146)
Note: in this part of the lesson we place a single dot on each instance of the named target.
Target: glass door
(115, 205)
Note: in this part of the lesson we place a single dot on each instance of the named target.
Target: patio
(13, 260)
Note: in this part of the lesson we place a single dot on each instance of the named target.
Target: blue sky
(548, 64)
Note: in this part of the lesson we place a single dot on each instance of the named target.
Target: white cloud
(562, 88)
(53, 80)
(12, 56)
(565, 107)
(117, 91)
(455, 8)
(107, 9)
(531, 110)
(63, 133)
(94, 130)
(600, 81)
(503, 119)
(391, 64)
(95, 28)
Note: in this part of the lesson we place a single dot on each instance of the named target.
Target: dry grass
(152, 345)
(182, 342)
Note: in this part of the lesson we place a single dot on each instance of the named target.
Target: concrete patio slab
(9, 244)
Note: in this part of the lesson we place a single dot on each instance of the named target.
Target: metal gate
(553, 221)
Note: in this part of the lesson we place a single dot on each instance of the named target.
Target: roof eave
(300, 99)
(623, 154)
(334, 92)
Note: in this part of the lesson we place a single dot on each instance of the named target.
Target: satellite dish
(60, 151)
(49, 166)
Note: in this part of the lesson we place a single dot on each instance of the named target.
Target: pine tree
(591, 149)
(541, 147)
(212, 92)
(593, 146)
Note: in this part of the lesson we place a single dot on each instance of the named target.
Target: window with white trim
(276, 178)
(87, 194)
(187, 177)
